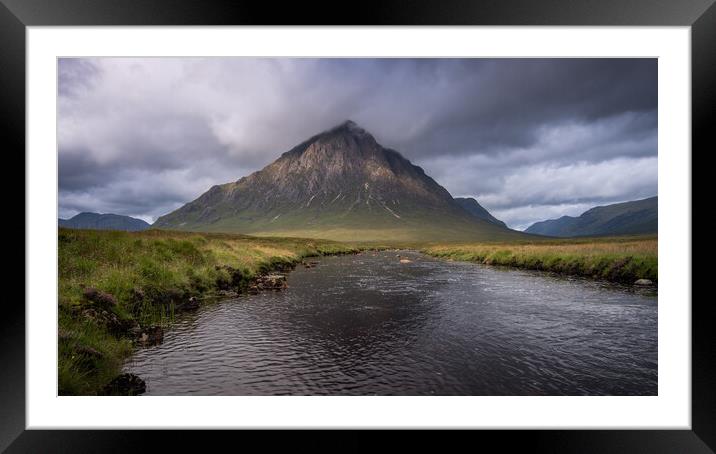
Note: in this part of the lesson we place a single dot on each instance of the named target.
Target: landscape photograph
(241, 226)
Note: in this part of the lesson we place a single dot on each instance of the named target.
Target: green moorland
(619, 259)
(418, 226)
(149, 273)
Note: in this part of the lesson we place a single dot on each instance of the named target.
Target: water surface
(369, 325)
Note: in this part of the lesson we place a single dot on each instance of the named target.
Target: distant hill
(477, 210)
(96, 221)
(340, 184)
(636, 217)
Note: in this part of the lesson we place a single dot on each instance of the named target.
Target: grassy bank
(618, 259)
(149, 275)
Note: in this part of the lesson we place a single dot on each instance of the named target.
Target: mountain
(471, 206)
(98, 221)
(637, 217)
(340, 184)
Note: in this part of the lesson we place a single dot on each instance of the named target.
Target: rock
(643, 282)
(277, 281)
(99, 298)
(135, 330)
(405, 261)
(125, 385)
(151, 335)
(226, 294)
(107, 319)
(286, 266)
(190, 305)
(268, 282)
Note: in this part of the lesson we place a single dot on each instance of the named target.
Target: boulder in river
(151, 335)
(643, 282)
(189, 305)
(226, 294)
(404, 260)
(125, 385)
(268, 282)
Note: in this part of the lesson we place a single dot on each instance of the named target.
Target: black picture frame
(16, 15)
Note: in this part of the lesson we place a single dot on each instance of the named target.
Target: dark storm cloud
(487, 106)
(78, 171)
(529, 138)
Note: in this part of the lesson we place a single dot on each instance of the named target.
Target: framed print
(413, 216)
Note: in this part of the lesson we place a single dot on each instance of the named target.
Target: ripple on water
(373, 326)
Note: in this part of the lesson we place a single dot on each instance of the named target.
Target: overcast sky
(530, 139)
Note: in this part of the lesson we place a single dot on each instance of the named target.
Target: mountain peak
(338, 182)
(350, 127)
(350, 124)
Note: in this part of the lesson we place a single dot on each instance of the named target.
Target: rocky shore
(126, 384)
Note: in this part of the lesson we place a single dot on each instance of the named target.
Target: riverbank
(119, 289)
(616, 259)
(433, 326)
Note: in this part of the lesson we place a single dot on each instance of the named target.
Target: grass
(618, 259)
(374, 226)
(149, 273)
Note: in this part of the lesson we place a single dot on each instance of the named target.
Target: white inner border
(670, 409)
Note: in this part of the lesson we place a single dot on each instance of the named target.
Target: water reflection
(367, 324)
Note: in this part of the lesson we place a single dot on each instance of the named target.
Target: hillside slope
(636, 217)
(96, 221)
(473, 207)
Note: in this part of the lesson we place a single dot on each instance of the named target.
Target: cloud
(143, 136)
(521, 217)
(521, 195)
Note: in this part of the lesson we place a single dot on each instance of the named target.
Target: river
(369, 325)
